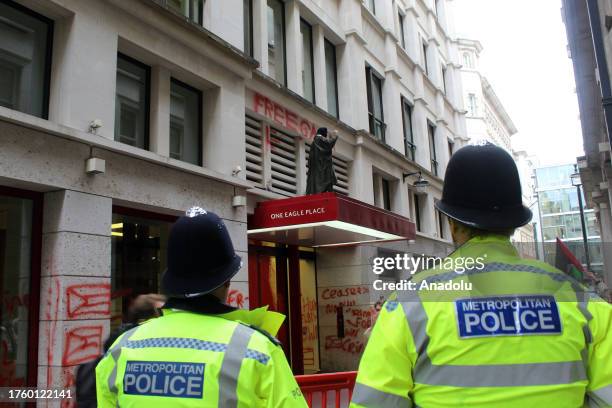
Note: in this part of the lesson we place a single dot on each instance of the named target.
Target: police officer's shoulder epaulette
(270, 337)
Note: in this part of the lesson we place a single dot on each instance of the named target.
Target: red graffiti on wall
(236, 298)
(309, 318)
(53, 299)
(284, 117)
(92, 300)
(82, 344)
(69, 381)
(349, 291)
(331, 308)
(349, 344)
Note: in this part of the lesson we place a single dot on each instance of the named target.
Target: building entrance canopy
(326, 219)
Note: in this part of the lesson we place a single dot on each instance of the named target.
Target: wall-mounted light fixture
(239, 201)
(94, 165)
(420, 184)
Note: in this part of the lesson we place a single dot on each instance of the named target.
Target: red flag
(568, 263)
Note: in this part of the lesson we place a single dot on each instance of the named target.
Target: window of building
(431, 132)
(185, 123)
(19, 251)
(331, 74)
(308, 90)
(276, 41)
(371, 5)
(192, 9)
(25, 59)
(424, 48)
(386, 194)
(409, 146)
(402, 35)
(467, 60)
(451, 148)
(138, 257)
(472, 105)
(375, 105)
(441, 224)
(247, 7)
(132, 102)
(417, 211)
(444, 73)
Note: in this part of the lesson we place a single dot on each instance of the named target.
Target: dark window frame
(373, 3)
(409, 145)
(250, 40)
(371, 77)
(147, 120)
(417, 211)
(312, 71)
(402, 34)
(444, 72)
(431, 135)
(385, 186)
(200, 116)
(48, 53)
(425, 47)
(35, 277)
(332, 46)
(441, 224)
(193, 15)
(284, 27)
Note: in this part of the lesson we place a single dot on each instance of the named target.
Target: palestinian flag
(566, 261)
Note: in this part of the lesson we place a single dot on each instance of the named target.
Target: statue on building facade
(321, 176)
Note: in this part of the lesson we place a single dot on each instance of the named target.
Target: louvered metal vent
(254, 151)
(283, 162)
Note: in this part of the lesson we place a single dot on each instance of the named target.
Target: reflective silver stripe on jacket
(115, 352)
(230, 367)
(373, 398)
(499, 375)
(600, 398)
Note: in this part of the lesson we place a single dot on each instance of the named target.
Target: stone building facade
(116, 116)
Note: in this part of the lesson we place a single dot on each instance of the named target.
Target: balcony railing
(377, 127)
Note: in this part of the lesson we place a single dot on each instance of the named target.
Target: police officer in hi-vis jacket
(524, 335)
(200, 352)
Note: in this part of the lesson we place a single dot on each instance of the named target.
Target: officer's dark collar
(205, 304)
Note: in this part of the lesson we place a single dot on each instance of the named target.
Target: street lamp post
(576, 182)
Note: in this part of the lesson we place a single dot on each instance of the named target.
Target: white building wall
(88, 36)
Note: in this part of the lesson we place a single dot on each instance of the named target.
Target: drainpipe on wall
(602, 65)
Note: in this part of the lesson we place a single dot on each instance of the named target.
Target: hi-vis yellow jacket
(185, 359)
(525, 335)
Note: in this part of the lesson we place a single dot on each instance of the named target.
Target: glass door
(284, 278)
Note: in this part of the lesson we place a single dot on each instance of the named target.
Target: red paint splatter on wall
(53, 299)
(69, 377)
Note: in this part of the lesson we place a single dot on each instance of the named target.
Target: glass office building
(559, 209)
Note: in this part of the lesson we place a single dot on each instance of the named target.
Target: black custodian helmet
(201, 256)
(482, 189)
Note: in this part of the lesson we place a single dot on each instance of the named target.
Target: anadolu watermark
(459, 265)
